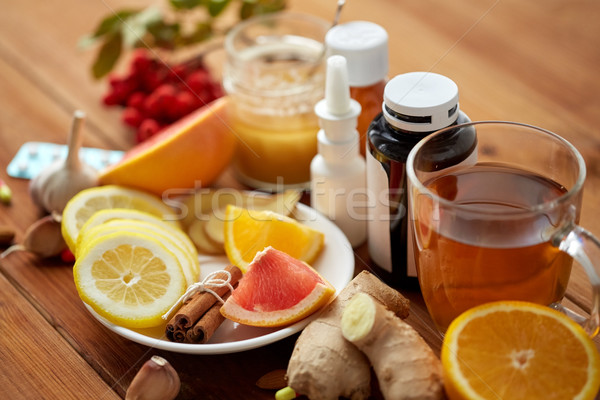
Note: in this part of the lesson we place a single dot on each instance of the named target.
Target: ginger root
(324, 365)
(404, 364)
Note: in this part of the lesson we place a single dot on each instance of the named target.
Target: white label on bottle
(378, 214)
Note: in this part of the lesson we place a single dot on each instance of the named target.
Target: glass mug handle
(583, 247)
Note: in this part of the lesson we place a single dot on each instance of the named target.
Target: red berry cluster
(156, 94)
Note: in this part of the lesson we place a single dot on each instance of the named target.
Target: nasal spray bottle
(338, 172)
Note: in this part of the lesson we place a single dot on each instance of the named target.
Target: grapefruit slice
(192, 151)
(277, 290)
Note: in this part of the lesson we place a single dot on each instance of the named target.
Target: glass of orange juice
(274, 75)
(500, 224)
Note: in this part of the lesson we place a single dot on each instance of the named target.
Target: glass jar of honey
(274, 75)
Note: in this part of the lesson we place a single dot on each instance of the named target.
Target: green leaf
(149, 16)
(113, 23)
(87, 41)
(202, 32)
(216, 7)
(185, 4)
(251, 8)
(147, 27)
(107, 26)
(274, 6)
(133, 34)
(165, 35)
(135, 28)
(108, 55)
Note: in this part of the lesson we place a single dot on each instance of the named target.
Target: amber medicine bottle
(415, 105)
(365, 47)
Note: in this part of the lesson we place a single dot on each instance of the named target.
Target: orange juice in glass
(274, 75)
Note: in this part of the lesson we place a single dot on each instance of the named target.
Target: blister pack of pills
(33, 157)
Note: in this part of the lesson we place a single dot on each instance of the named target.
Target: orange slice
(277, 290)
(191, 152)
(249, 231)
(518, 350)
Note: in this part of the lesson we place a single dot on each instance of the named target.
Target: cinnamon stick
(193, 309)
(203, 330)
(179, 335)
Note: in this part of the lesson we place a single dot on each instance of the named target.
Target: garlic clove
(156, 380)
(43, 238)
(57, 184)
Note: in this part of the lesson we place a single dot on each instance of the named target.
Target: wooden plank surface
(35, 361)
(533, 62)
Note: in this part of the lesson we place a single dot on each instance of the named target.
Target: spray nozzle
(337, 89)
(337, 112)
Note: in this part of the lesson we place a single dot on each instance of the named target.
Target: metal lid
(420, 101)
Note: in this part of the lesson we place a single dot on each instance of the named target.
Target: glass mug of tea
(500, 223)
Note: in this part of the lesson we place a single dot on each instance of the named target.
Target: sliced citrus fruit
(249, 231)
(206, 201)
(518, 350)
(189, 263)
(205, 217)
(87, 202)
(111, 214)
(129, 278)
(277, 290)
(194, 150)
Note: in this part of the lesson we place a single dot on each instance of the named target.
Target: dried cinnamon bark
(198, 305)
(203, 330)
(179, 335)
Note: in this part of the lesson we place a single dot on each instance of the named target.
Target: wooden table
(533, 62)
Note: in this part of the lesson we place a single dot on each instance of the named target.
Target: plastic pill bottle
(415, 105)
(365, 46)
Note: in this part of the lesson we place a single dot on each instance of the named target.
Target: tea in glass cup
(501, 226)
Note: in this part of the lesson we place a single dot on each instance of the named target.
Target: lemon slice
(249, 231)
(189, 263)
(129, 278)
(111, 214)
(87, 202)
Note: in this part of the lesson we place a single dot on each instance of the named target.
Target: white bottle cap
(420, 101)
(365, 47)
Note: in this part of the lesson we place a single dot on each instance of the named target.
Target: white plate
(335, 263)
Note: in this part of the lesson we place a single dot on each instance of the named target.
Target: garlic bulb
(156, 380)
(63, 179)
